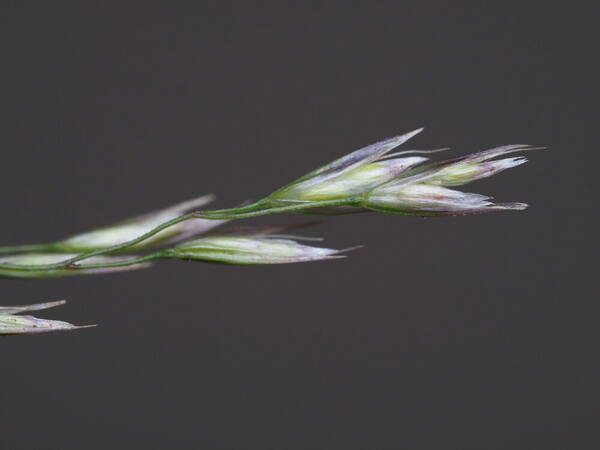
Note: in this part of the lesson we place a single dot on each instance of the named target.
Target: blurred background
(456, 333)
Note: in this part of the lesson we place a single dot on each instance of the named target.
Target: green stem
(127, 262)
(256, 206)
(259, 208)
(275, 210)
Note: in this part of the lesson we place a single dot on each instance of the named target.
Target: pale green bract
(246, 250)
(350, 175)
(137, 226)
(53, 258)
(12, 324)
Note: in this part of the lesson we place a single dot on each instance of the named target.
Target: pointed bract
(424, 199)
(29, 308)
(28, 325)
(26, 259)
(258, 249)
(10, 324)
(354, 182)
(132, 228)
(466, 172)
(362, 156)
(344, 177)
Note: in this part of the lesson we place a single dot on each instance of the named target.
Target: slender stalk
(275, 210)
(125, 263)
(259, 208)
(76, 266)
(258, 205)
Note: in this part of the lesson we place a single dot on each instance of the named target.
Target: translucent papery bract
(466, 172)
(135, 227)
(464, 169)
(339, 168)
(29, 324)
(423, 199)
(357, 181)
(250, 250)
(29, 308)
(27, 259)
(14, 325)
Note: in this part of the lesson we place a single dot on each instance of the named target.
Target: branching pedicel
(369, 179)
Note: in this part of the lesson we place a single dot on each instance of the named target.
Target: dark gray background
(456, 333)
